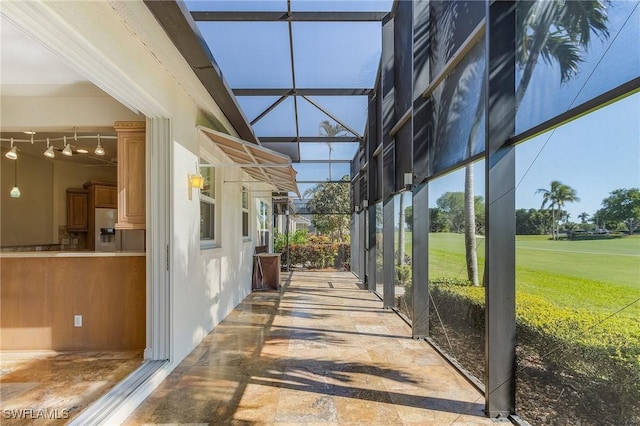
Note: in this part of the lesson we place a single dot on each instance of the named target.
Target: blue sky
(594, 154)
(296, 5)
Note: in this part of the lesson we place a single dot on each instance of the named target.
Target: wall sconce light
(12, 154)
(408, 180)
(365, 204)
(15, 191)
(356, 209)
(197, 181)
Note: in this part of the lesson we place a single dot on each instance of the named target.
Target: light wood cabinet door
(77, 210)
(131, 175)
(106, 196)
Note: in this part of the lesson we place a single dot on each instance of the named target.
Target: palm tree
(401, 234)
(584, 217)
(555, 30)
(555, 198)
(331, 130)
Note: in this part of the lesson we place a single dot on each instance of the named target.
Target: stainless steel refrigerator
(109, 239)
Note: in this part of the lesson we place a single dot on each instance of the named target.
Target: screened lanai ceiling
(300, 71)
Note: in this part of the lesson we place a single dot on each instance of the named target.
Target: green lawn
(596, 275)
(577, 307)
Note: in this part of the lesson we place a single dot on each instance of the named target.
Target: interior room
(72, 256)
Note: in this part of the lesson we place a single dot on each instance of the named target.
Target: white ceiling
(25, 62)
(29, 69)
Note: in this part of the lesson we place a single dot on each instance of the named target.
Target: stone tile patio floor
(320, 351)
(49, 388)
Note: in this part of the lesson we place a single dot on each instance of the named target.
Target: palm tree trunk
(469, 197)
(470, 226)
(532, 60)
(553, 223)
(401, 219)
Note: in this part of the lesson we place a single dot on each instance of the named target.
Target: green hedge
(319, 253)
(599, 355)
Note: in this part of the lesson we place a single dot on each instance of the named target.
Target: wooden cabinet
(102, 194)
(105, 196)
(40, 295)
(77, 210)
(131, 175)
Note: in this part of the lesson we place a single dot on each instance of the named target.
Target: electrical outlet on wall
(77, 320)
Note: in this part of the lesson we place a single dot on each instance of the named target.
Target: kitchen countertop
(23, 254)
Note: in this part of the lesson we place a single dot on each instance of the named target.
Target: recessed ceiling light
(29, 132)
(82, 151)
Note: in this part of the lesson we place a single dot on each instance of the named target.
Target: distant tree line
(620, 211)
(535, 221)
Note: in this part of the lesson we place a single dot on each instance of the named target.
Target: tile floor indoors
(57, 385)
(320, 351)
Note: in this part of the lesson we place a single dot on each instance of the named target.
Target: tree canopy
(408, 217)
(556, 197)
(451, 205)
(622, 205)
(329, 203)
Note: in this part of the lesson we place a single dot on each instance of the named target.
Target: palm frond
(581, 18)
(331, 130)
(560, 49)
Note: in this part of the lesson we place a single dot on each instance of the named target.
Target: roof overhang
(260, 163)
(177, 22)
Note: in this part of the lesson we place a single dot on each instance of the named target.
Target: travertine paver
(313, 353)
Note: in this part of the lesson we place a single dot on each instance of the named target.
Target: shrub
(598, 355)
(319, 253)
(404, 274)
(301, 236)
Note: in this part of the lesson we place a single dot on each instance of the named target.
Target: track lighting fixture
(99, 149)
(67, 148)
(49, 152)
(12, 154)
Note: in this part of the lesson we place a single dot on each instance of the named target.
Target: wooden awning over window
(260, 163)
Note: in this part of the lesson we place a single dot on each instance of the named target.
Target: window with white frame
(208, 205)
(245, 213)
(263, 225)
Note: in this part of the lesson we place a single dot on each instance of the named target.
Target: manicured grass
(615, 261)
(600, 276)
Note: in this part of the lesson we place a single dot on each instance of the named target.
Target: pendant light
(67, 148)
(49, 152)
(12, 154)
(99, 149)
(15, 191)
